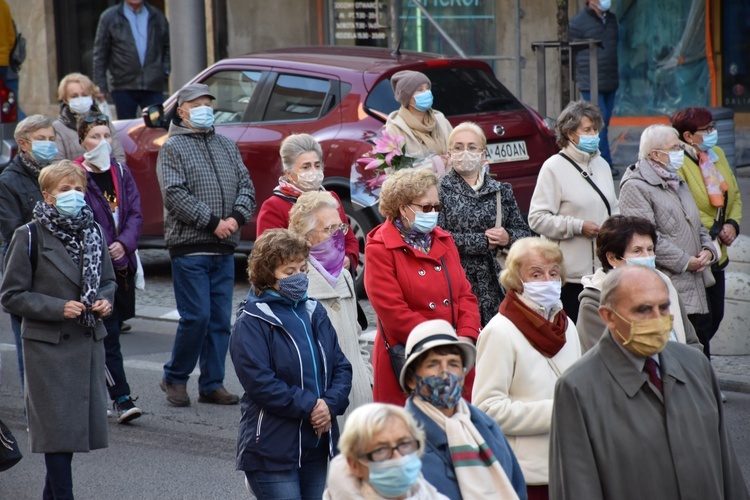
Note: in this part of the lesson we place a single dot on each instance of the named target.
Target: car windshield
(480, 92)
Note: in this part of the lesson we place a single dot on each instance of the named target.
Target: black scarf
(30, 164)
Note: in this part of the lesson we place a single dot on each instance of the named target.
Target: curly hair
(52, 175)
(95, 120)
(272, 249)
(571, 117)
(510, 278)
(302, 215)
(403, 187)
(617, 232)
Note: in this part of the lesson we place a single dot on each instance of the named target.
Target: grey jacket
(203, 180)
(114, 50)
(587, 24)
(607, 415)
(66, 393)
(678, 226)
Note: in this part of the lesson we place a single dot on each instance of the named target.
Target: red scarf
(546, 337)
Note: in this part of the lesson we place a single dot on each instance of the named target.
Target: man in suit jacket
(638, 416)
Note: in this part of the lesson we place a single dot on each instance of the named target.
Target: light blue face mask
(648, 261)
(605, 5)
(423, 101)
(424, 222)
(393, 478)
(70, 203)
(43, 151)
(709, 141)
(588, 143)
(202, 117)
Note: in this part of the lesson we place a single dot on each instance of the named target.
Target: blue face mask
(70, 203)
(43, 151)
(442, 391)
(294, 287)
(648, 261)
(709, 141)
(424, 222)
(423, 101)
(588, 143)
(605, 5)
(395, 477)
(202, 117)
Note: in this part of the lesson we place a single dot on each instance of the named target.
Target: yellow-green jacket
(691, 172)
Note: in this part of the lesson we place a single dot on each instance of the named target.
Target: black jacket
(587, 24)
(114, 50)
(19, 192)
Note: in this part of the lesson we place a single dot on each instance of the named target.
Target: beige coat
(69, 148)
(341, 305)
(678, 225)
(415, 148)
(563, 200)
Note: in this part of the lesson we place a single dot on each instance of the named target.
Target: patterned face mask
(442, 391)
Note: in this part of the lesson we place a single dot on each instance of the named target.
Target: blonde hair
(50, 176)
(370, 419)
(80, 78)
(510, 278)
(403, 187)
(654, 137)
(295, 145)
(469, 127)
(303, 213)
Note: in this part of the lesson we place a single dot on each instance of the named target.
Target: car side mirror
(153, 116)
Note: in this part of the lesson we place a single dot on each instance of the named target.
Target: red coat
(407, 287)
(274, 214)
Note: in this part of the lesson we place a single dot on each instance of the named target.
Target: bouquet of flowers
(370, 171)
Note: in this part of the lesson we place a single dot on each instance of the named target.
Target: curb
(734, 383)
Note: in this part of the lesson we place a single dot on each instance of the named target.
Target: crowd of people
(477, 386)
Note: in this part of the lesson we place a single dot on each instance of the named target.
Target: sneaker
(176, 393)
(219, 396)
(126, 410)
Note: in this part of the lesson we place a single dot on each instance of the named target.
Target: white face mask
(99, 156)
(80, 105)
(544, 293)
(676, 158)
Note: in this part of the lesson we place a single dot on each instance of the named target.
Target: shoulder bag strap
(588, 179)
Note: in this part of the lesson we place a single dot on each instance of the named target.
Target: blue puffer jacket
(276, 405)
(437, 466)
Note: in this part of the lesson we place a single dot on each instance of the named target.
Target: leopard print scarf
(28, 161)
(82, 238)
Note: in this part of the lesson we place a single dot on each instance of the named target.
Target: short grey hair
(31, 124)
(295, 145)
(654, 137)
(370, 419)
(302, 216)
(571, 117)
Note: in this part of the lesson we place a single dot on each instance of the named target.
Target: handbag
(10, 453)
(396, 353)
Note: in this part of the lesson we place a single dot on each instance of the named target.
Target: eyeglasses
(673, 149)
(428, 208)
(708, 128)
(329, 230)
(98, 118)
(471, 149)
(386, 452)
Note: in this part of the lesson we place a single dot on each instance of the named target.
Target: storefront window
(735, 43)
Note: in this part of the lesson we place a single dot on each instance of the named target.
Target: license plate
(504, 152)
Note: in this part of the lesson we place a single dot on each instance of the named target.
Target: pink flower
(370, 163)
(388, 144)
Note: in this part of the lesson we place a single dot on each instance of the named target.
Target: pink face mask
(330, 255)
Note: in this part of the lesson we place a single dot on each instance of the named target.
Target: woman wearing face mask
(714, 188)
(523, 351)
(301, 160)
(415, 275)
(469, 189)
(425, 129)
(19, 190)
(76, 94)
(62, 302)
(652, 189)
(574, 194)
(316, 217)
(380, 458)
(625, 240)
(116, 203)
(296, 379)
(436, 363)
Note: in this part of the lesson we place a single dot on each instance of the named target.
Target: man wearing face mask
(639, 400)
(598, 22)
(436, 363)
(208, 196)
(19, 189)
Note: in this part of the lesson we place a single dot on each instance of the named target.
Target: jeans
(203, 286)
(113, 358)
(606, 105)
(15, 325)
(306, 483)
(128, 101)
(58, 484)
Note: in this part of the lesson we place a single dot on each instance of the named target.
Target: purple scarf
(328, 257)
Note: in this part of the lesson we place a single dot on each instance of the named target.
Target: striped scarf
(478, 472)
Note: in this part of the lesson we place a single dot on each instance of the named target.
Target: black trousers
(569, 298)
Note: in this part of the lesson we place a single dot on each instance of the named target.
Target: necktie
(653, 374)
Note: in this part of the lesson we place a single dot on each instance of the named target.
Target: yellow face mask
(647, 337)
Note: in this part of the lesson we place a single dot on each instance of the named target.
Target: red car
(341, 96)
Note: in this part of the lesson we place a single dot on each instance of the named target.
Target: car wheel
(361, 223)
